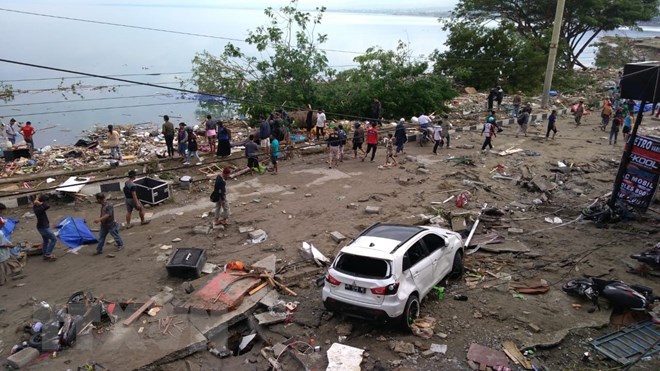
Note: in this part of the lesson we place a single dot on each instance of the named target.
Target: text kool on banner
(641, 178)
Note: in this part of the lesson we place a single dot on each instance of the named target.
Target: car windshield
(363, 266)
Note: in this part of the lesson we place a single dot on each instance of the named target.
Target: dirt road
(306, 201)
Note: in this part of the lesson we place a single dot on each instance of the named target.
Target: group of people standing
(217, 135)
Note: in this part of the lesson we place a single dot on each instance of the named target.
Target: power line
(83, 100)
(240, 100)
(100, 108)
(87, 77)
(149, 28)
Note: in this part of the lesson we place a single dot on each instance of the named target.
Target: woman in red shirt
(372, 141)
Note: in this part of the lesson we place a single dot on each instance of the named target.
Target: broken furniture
(631, 343)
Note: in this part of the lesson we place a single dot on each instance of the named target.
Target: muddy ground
(306, 201)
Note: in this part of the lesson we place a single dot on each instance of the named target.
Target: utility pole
(552, 56)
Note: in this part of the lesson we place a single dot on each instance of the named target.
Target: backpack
(342, 137)
(521, 119)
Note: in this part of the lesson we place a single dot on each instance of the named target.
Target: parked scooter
(617, 293)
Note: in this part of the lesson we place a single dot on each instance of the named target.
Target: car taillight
(387, 290)
(333, 281)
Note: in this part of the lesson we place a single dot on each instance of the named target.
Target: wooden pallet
(210, 170)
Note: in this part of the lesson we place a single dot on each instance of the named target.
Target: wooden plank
(511, 350)
(138, 312)
(256, 289)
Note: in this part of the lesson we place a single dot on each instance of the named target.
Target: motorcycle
(650, 257)
(619, 294)
(423, 137)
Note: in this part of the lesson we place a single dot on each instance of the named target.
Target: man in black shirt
(132, 201)
(43, 226)
(107, 225)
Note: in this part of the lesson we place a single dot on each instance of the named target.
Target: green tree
(287, 76)
(583, 21)
(403, 84)
(615, 52)
(481, 57)
(6, 92)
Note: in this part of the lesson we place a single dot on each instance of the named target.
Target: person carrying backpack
(342, 141)
(523, 121)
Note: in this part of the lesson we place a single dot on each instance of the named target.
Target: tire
(35, 342)
(457, 267)
(410, 312)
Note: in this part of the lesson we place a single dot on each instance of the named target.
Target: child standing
(389, 150)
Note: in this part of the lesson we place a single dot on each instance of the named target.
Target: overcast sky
(330, 4)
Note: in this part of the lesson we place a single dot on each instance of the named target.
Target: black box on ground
(11, 155)
(152, 191)
(186, 262)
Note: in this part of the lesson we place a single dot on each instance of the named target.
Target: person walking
(372, 141)
(605, 115)
(376, 111)
(264, 136)
(107, 224)
(400, 136)
(320, 124)
(489, 131)
(358, 139)
(630, 104)
(516, 102)
(252, 153)
(211, 132)
(499, 96)
(193, 147)
(224, 140)
(334, 142)
(614, 130)
(491, 98)
(579, 112)
(437, 137)
(222, 211)
(168, 134)
(27, 132)
(445, 129)
(131, 200)
(274, 152)
(182, 140)
(627, 125)
(523, 121)
(113, 143)
(552, 124)
(389, 150)
(342, 141)
(39, 208)
(309, 121)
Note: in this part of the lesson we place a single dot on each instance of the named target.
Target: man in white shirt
(320, 124)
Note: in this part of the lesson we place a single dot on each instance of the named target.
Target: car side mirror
(406, 263)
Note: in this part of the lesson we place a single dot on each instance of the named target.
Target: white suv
(384, 272)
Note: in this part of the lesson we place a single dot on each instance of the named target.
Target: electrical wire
(83, 100)
(102, 108)
(87, 77)
(151, 28)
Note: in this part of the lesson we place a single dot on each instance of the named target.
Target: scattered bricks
(245, 229)
(352, 206)
(422, 170)
(337, 237)
(201, 229)
(534, 327)
(22, 358)
(372, 210)
(515, 230)
(254, 235)
(308, 195)
(428, 353)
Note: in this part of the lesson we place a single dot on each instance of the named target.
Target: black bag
(215, 196)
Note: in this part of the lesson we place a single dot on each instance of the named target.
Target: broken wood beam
(138, 312)
(256, 289)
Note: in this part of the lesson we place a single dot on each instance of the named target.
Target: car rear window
(363, 266)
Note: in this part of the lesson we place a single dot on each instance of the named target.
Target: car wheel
(457, 266)
(410, 312)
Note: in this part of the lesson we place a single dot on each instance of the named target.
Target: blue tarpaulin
(8, 228)
(74, 232)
